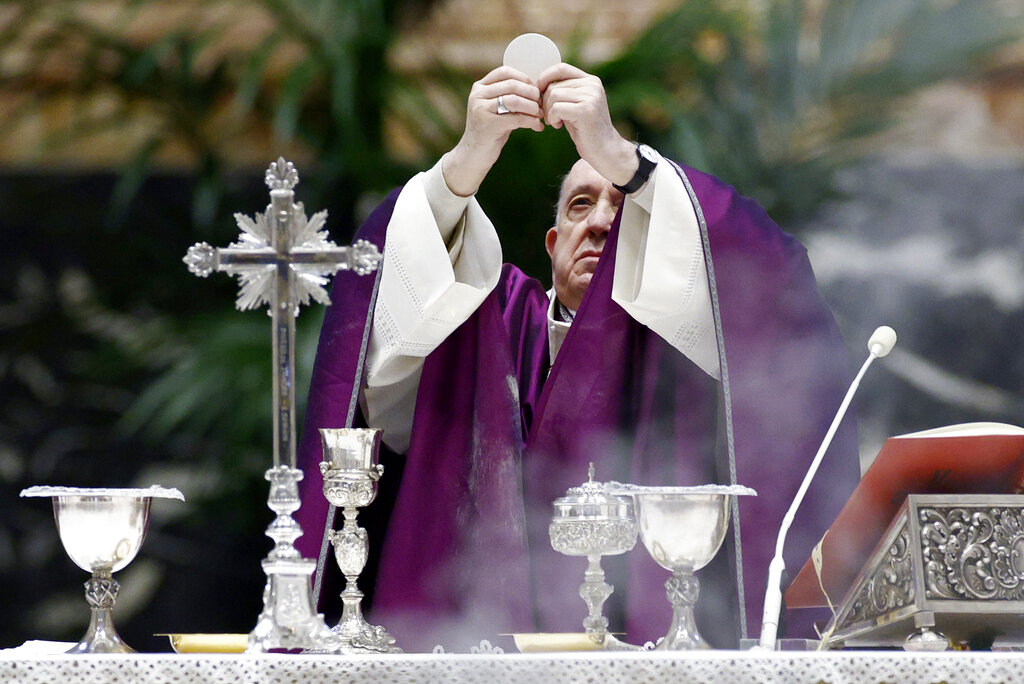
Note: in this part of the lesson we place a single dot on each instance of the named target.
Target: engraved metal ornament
(351, 549)
(201, 259)
(580, 538)
(589, 521)
(344, 493)
(309, 279)
(973, 554)
(282, 236)
(681, 589)
(101, 592)
(281, 175)
(891, 586)
(365, 257)
(351, 471)
(283, 259)
(950, 561)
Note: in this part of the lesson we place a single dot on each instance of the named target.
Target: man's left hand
(576, 99)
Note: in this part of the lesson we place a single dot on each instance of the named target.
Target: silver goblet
(683, 528)
(591, 522)
(101, 530)
(351, 472)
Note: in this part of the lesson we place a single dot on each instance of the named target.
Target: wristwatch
(648, 160)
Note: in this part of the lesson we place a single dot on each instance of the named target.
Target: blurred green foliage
(118, 365)
(776, 103)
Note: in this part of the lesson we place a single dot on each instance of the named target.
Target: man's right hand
(466, 166)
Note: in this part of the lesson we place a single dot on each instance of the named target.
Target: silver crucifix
(282, 259)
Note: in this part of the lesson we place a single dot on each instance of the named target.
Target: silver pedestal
(101, 637)
(682, 590)
(289, 620)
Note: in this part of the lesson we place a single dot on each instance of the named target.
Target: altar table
(721, 667)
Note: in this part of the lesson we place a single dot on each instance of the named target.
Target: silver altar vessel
(682, 528)
(101, 530)
(949, 569)
(351, 472)
(589, 521)
(283, 260)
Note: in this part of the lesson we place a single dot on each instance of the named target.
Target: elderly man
(683, 342)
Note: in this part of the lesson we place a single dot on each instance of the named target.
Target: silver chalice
(101, 530)
(351, 472)
(589, 521)
(683, 528)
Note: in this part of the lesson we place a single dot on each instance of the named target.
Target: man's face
(586, 208)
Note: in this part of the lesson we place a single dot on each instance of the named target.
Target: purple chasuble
(497, 437)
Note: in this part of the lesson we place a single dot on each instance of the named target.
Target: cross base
(289, 620)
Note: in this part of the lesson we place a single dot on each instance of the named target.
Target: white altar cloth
(592, 668)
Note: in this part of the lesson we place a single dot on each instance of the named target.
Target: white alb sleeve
(427, 290)
(660, 274)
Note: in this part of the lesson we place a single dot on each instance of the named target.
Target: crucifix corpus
(282, 259)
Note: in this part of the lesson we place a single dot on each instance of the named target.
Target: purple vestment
(496, 438)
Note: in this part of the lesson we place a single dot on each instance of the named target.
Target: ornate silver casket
(950, 562)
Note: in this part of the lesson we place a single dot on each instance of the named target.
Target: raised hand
(575, 99)
(488, 126)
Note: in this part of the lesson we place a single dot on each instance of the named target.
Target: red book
(975, 458)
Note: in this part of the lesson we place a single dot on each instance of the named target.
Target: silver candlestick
(283, 259)
(289, 620)
(351, 472)
(591, 522)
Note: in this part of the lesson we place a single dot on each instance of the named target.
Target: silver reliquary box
(949, 565)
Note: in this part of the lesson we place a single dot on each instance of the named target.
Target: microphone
(880, 344)
(882, 341)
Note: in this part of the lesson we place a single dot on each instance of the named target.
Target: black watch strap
(646, 167)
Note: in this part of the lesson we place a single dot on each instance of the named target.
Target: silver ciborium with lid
(682, 528)
(590, 521)
(351, 472)
(101, 530)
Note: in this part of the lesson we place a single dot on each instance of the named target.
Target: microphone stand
(880, 344)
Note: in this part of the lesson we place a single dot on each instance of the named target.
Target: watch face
(648, 160)
(647, 153)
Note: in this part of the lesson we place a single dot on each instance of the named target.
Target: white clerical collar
(557, 328)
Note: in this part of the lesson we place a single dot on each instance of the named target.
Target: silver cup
(588, 521)
(351, 472)
(683, 528)
(102, 531)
